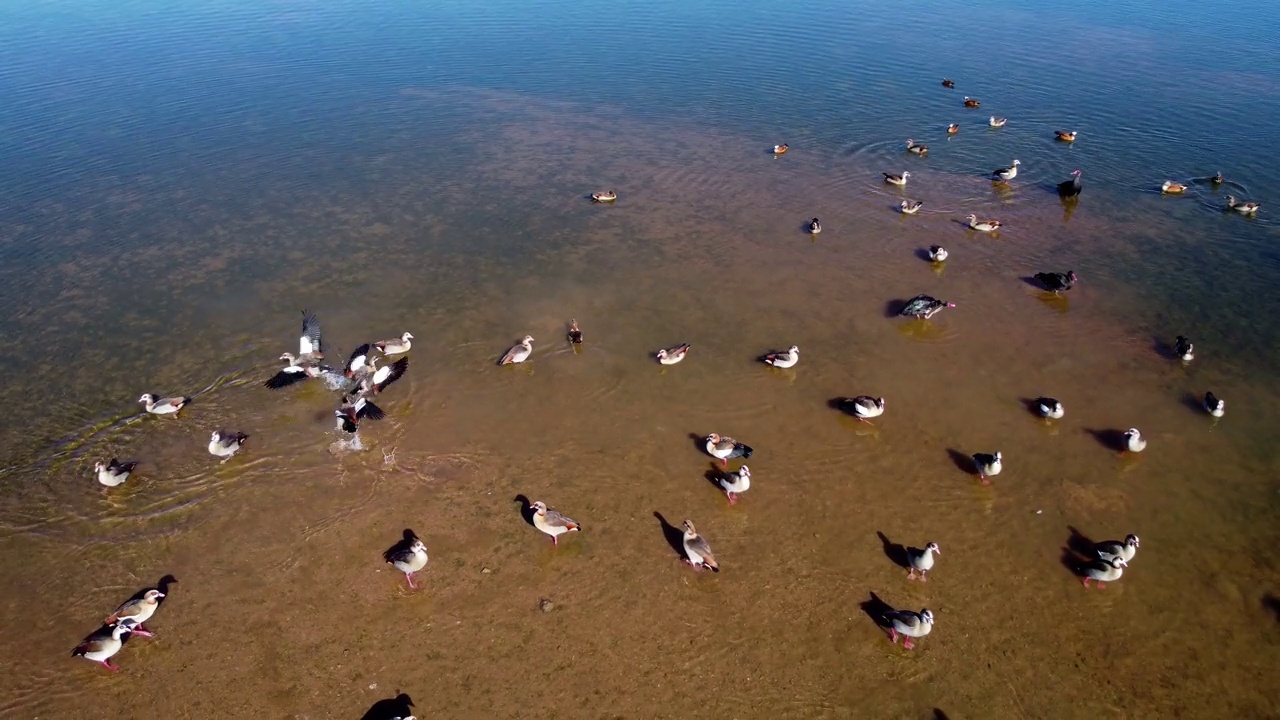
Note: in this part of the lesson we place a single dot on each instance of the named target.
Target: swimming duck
(909, 625)
(1133, 441)
(734, 484)
(815, 227)
(103, 644)
(356, 407)
(983, 225)
(1170, 187)
(396, 346)
(551, 522)
(518, 352)
(896, 179)
(988, 466)
(408, 556)
(726, 448)
(937, 253)
(921, 561)
(113, 473)
(953, 128)
(971, 103)
(996, 122)
(916, 149)
(911, 207)
(1214, 406)
(697, 550)
(575, 333)
(784, 360)
(163, 406)
(309, 341)
(780, 149)
(1008, 173)
(1050, 408)
(358, 363)
(923, 307)
(863, 407)
(671, 356)
(1057, 283)
(1123, 549)
(1102, 571)
(380, 377)
(1184, 349)
(1217, 178)
(1066, 135)
(606, 196)
(137, 611)
(1244, 208)
(948, 83)
(1070, 188)
(224, 444)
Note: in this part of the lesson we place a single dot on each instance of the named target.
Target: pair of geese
(222, 443)
(128, 619)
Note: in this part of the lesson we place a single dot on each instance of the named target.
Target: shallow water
(394, 168)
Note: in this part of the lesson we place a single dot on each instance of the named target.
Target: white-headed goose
(408, 556)
(103, 644)
(899, 180)
(735, 483)
(983, 225)
(910, 207)
(909, 625)
(988, 466)
(783, 360)
(396, 346)
(997, 122)
(518, 352)
(671, 356)
(915, 148)
(552, 522)
(225, 444)
(920, 560)
(1244, 208)
(1214, 405)
(113, 473)
(1006, 174)
(163, 406)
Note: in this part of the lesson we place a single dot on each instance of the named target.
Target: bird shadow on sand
(1032, 405)
(893, 308)
(923, 254)
(1193, 403)
(1109, 438)
(699, 442)
(1163, 348)
(526, 507)
(673, 535)
(896, 552)
(1030, 280)
(714, 475)
(390, 708)
(963, 462)
(1271, 602)
(844, 405)
(876, 609)
(939, 715)
(1078, 551)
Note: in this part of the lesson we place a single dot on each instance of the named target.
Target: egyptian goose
(1057, 283)
(1214, 406)
(896, 179)
(938, 254)
(1133, 441)
(396, 346)
(696, 549)
(1184, 348)
(358, 363)
(1070, 188)
(103, 644)
(910, 207)
(113, 473)
(735, 483)
(1123, 549)
(1007, 173)
(1217, 178)
(551, 522)
(163, 406)
(924, 307)
(988, 466)
(916, 149)
(815, 227)
(309, 341)
(1244, 208)
(1102, 571)
(726, 448)
(380, 377)
(983, 225)
(408, 556)
(575, 333)
(863, 407)
(909, 625)
(518, 352)
(136, 611)
(1048, 407)
(671, 356)
(921, 561)
(225, 444)
(354, 408)
(783, 360)
(997, 122)
(603, 197)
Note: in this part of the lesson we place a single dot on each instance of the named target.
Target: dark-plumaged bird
(924, 307)
(1057, 283)
(1070, 188)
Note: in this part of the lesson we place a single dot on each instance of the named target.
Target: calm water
(178, 183)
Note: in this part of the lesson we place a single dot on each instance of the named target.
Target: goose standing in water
(575, 332)
(225, 444)
(916, 149)
(103, 644)
(1102, 571)
(983, 225)
(671, 356)
(1070, 188)
(1050, 408)
(783, 360)
(896, 179)
(1006, 174)
(697, 550)
(1184, 349)
(551, 522)
(911, 207)
(518, 352)
(909, 625)
(815, 227)
(136, 611)
(1066, 135)
(735, 483)
(924, 307)
(725, 448)
(113, 473)
(1244, 208)
(997, 122)
(971, 103)
(1133, 441)
(863, 407)
(396, 346)
(408, 556)
(988, 466)
(163, 406)
(1057, 283)
(1214, 406)
(1123, 549)
(937, 253)
(953, 128)
(921, 561)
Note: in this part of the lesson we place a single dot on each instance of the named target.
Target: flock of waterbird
(361, 379)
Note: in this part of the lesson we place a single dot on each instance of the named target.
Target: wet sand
(282, 594)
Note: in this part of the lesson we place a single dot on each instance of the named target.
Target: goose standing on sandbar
(518, 352)
(1070, 188)
(909, 625)
(1102, 571)
(911, 207)
(408, 556)
(225, 444)
(783, 360)
(163, 406)
(921, 561)
(397, 346)
(1057, 283)
(1184, 349)
(552, 522)
(697, 550)
(924, 307)
(899, 180)
(988, 466)
(671, 356)
(1007, 173)
(1123, 549)
(137, 611)
(735, 483)
(725, 448)
(113, 473)
(1214, 406)
(1133, 441)
(1050, 408)
(103, 644)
